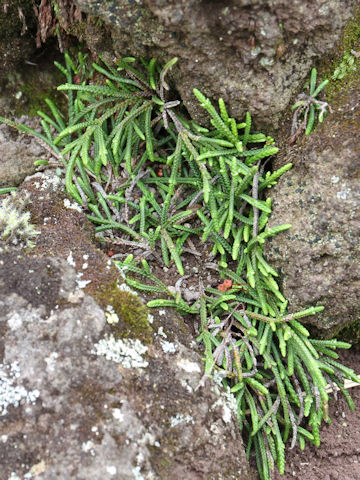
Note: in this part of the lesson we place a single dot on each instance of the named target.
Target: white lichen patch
(161, 332)
(49, 181)
(70, 259)
(126, 351)
(72, 206)
(12, 394)
(226, 400)
(88, 447)
(227, 411)
(111, 470)
(168, 347)
(344, 193)
(188, 365)
(15, 321)
(180, 418)
(14, 476)
(187, 387)
(118, 415)
(81, 283)
(136, 471)
(142, 469)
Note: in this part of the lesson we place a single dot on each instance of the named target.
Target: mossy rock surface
(132, 315)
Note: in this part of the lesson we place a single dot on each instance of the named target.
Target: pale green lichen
(15, 226)
(128, 352)
(11, 393)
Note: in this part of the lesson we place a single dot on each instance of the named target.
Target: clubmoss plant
(157, 182)
(15, 226)
(308, 108)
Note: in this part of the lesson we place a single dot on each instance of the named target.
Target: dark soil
(338, 456)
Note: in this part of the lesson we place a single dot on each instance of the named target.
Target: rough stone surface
(80, 400)
(320, 196)
(253, 54)
(17, 155)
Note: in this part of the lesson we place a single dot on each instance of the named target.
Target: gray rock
(76, 402)
(17, 154)
(320, 196)
(255, 55)
(83, 397)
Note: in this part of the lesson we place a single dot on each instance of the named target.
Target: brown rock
(320, 196)
(255, 55)
(17, 155)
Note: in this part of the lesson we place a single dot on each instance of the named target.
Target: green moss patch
(132, 313)
(348, 72)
